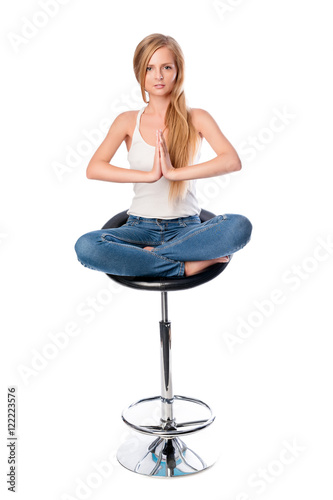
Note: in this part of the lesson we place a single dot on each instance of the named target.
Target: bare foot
(148, 248)
(197, 266)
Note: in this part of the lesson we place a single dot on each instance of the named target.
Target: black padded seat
(165, 284)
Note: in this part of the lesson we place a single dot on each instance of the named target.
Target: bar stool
(162, 452)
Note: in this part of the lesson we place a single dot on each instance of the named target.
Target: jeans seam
(126, 240)
(181, 269)
(176, 242)
(158, 256)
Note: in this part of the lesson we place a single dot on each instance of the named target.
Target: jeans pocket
(191, 223)
(132, 222)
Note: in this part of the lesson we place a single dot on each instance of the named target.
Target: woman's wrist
(151, 176)
(172, 174)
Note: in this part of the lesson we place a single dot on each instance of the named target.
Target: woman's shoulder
(199, 114)
(126, 120)
(127, 116)
(200, 118)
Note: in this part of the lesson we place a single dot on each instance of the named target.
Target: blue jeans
(121, 251)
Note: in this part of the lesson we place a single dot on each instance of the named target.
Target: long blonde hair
(183, 139)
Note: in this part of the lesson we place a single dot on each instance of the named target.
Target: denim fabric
(121, 251)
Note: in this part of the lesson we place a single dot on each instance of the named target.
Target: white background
(269, 380)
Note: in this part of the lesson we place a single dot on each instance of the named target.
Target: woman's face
(161, 72)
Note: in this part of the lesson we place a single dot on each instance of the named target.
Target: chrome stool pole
(166, 374)
(166, 455)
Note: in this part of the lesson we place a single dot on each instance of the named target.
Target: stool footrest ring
(190, 415)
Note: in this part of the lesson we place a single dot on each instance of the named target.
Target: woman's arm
(226, 161)
(99, 167)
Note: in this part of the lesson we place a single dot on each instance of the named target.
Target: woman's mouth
(159, 86)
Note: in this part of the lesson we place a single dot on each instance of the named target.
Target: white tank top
(151, 199)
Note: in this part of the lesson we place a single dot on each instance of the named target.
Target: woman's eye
(149, 68)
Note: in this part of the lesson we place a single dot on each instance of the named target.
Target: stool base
(160, 457)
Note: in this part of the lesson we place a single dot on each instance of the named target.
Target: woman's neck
(158, 107)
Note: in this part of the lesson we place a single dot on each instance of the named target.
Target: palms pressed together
(163, 167)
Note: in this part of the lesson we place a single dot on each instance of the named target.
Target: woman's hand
(167, 168)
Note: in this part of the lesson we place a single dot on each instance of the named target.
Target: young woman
(163, 235)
